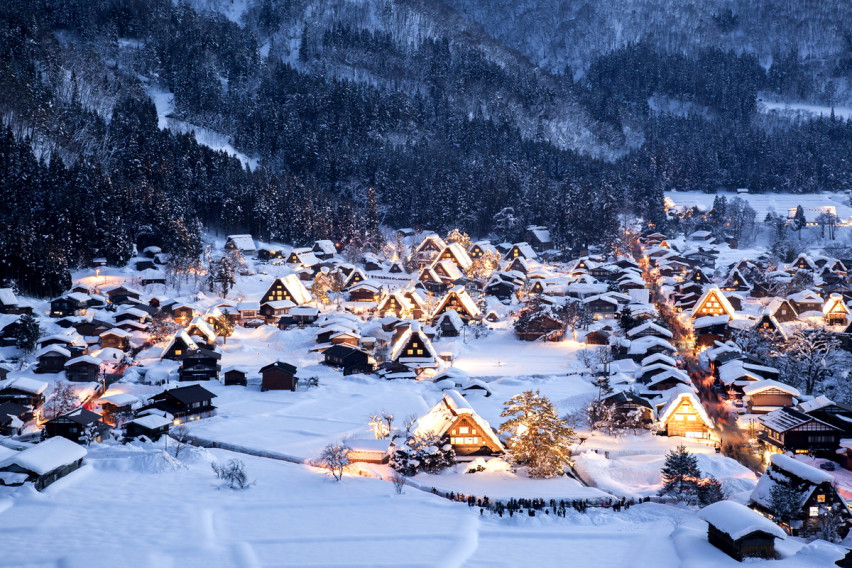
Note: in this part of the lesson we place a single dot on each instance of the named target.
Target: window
(692, 418)
(814, 512)
(820, 498)
(409, 351)
(420, 352)
(178, 352)
(464, 430)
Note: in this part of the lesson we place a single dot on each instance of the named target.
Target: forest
(448, 128)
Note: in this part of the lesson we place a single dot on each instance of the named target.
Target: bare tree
(232, 473)
(335, 459)
(398, 481)
(180, 435)
(64, 399)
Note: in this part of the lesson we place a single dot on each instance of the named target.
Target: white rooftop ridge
(738, 521)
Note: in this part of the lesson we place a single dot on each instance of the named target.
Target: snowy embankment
(630, 466)
(763, 203)
(165, 103)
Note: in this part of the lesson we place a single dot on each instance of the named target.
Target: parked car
(827, 466)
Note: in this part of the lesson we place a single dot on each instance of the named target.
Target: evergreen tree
(681, 476)
(537, 437)
(785, 501)
(28, 333)
(710, 491)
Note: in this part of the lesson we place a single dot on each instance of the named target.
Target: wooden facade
(278, 376)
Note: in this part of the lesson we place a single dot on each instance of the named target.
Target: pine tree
(626, 320)
(223, 326)
(680, 475)
(785, 501)
(28, 333)
(710, 491)
(422, 452)
(537, 437)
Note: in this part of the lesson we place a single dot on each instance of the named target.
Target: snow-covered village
(271, 405)
(441, 284)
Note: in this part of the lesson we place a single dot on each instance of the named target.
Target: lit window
(820, 498)
(691, 418)
(178, 352)
(814, 512)
(464, 430)
(420, 352)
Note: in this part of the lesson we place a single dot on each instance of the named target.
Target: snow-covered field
(802, 110)
(763, 203)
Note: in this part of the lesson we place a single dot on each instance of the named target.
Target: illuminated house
(459, 300)
(395, 304)
(456, 253)
(816, 492)
(835, 310)
(790, 430)
(428, 250)
(413, 349)
(683, 415)
(184, 404)
(712, 303)
(287, 288)
(736, 282)
(454, 420)
(523, 250)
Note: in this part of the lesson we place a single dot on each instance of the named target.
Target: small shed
(42, 464)
(235, 376)
(278, 376)
(740, 532)
(152, 426)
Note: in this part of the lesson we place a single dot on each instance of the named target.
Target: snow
(800, 470)
(760, 386)
(763, 203)
(152, 421)
(802, 110)
(47, 456)
(25, 384)
(164, 101)
(737, 520)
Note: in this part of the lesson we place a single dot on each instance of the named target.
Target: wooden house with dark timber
(712, 303)
(683, 415)
(782, 310)
(394, 304)
(817, 495)
(115, 338)
(24, 391)
(459, 300)
(736, 282)
(348, 359)
(200, 365)
(84, 369)
(73, 304)
(179, 345)
(278, 376)
(184, 404)
(151, 426)
(72, 425)
(790, 430)
(428, 250)
(42, 464)
(235, 376)
(52, 359)
(287, 288)
(739, 531)
(455, 420)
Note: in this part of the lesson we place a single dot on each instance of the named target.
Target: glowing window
(820, 498)
(464, 430)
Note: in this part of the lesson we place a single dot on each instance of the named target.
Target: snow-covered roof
(461, 255)
(402, 341)
(55, 348)
(325, 246)
(738, 521)
(296, 289)
(541, 233)
(7, 297)
(715, 291)
(47, 456)
(116, 331)
(679, 393)
(248, 305)
(449, 268)
(442, 416)
(815, 404)
(200, 324)
(650, 326)
(242, 242)
(760, 386)
(117, 398)
(643, 344)
(83, 359)
(151, 421)
(710, 321)
(526, 250)
(800, 470)
(466, 301)
(25, 384)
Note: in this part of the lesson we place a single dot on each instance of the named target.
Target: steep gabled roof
(444, 414)
(713, 294)
(678, 394)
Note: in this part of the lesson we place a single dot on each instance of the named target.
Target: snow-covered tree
(785, 502)
(457, 236)
(681, 476)
(830, 523)
(335, 459)
(233, 473)
(537, 437)
(28, 333)
(482, 267)
(378, 426)
(425, 452)
(809, 358)
(710, 491)
(64, 399)
(223, 326)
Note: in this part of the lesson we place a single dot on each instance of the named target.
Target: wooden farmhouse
(739, 531)
(24, 391)
(806, 301)
(459, 300)
(428, 250)
(523, 250)
(42, 464)
(184, 404)
(267, 253)
(72, 425)
(347, 358)
(413, 348)
(790, 430)
(834, 413)
(287, 288)
(115, 338)
(736, 282)
(199, 365)
(455, 253)
(454, 420)
(179, 345)
(278, 376)
(480, 248)
(242, 243)
(765, 396)
(712, 303)
(835, 310)
(152, 426)
(683, 415)
(395, 304)
(235, 376)
(324, 249)
(73, 304)
(52, 359)
(816, 490)
(84, 369)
